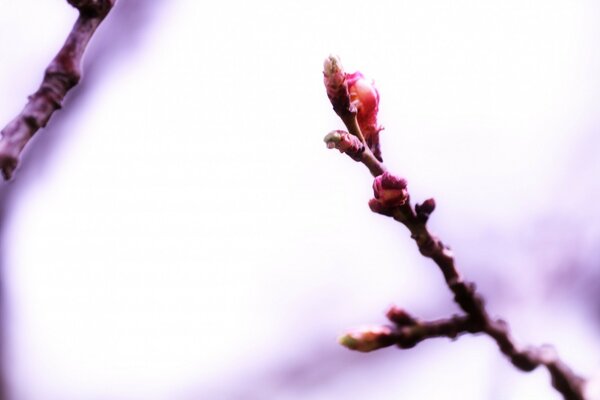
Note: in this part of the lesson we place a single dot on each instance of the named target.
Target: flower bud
(352, 94)
(400, 316)
(425, 209)
(367, 339)
(345, 143)
(334, 79)
(365, 98)
(390, 192)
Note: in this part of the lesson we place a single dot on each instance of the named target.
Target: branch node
(424, 210)
(400, 316)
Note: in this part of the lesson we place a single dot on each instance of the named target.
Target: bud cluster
(354, 96)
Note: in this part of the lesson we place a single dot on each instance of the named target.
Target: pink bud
(365, 97)
(353, 93)
(334, 79)
(390, 192)
(367, 339)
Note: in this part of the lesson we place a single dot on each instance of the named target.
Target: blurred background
(180, 231)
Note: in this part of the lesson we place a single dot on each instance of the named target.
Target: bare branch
(62, 74)
(392, 200)
(407, 331)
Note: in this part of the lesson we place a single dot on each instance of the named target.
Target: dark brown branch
(62, 74)
(407, 336)
(466, 296)
(477, 319)
(408, 331)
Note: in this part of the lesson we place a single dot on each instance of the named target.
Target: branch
(392, 199)
(407, 331)
(62, 74)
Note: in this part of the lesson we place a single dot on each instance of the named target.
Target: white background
(180, 231)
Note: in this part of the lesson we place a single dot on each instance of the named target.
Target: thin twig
(408, 331)
(62, 74)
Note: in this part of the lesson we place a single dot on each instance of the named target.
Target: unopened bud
(367, 339)
(400, 316)
(345, 143)
(332, 65)
(389, 192)
(425, 209)
(334, 79)
(365, 98)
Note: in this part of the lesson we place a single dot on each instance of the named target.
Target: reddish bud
(334, 79)
(353, 94)
(365, 98)
(367, 339)
(400, 316)
(390, 192)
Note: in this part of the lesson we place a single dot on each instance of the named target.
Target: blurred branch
(392, 199)
(407, 331)
(62, 74)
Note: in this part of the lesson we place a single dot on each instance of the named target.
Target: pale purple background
(181, 232)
